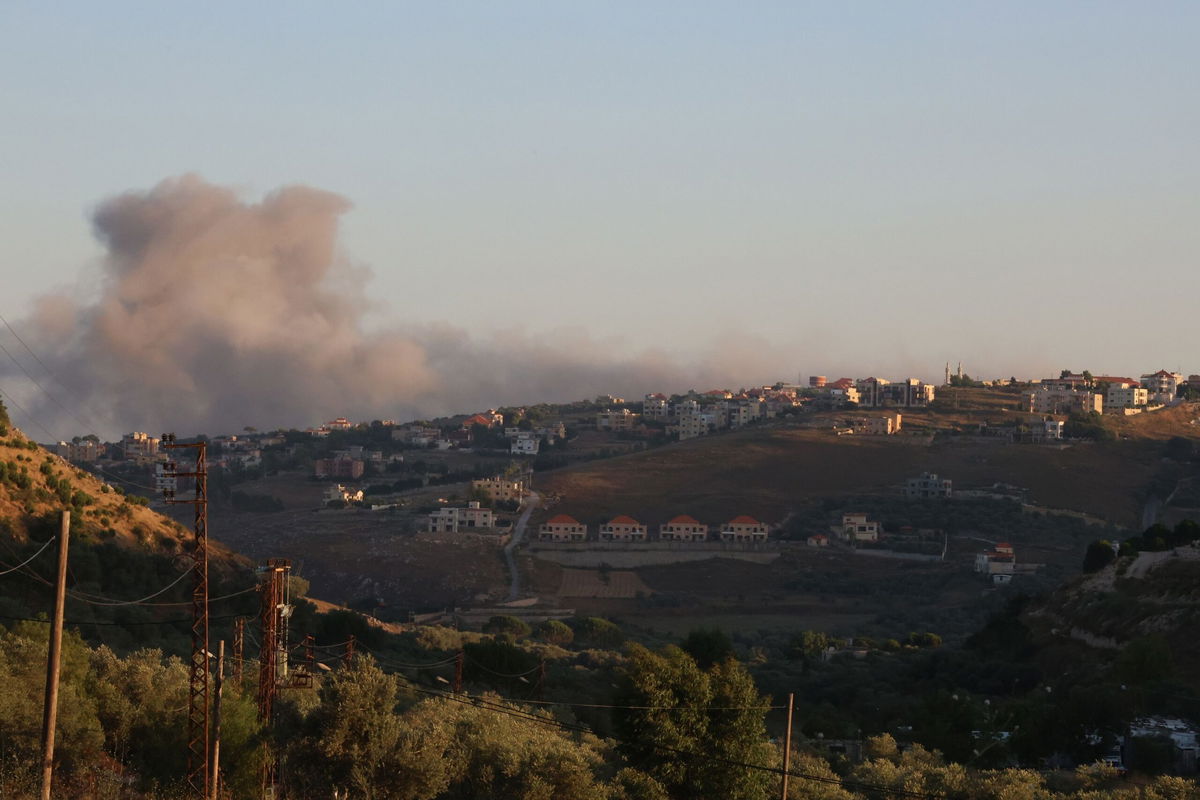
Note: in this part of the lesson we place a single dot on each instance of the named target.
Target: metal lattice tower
(239, 650)
(198, 690)
(272, 659)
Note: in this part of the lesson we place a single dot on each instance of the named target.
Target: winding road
(510, 549)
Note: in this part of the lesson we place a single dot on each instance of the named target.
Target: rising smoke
(214, 313)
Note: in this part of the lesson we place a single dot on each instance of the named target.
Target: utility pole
(54, 659)
(219, 678)
(541, 680)
(349, 655)
(458, 672)
(787, 749)
(198, 768)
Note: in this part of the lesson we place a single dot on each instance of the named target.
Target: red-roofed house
(562, 528)
(1162, 385)
(623, 528)
(488, 419)
(719, 394)
(818, 540)
(999, 564)
(683, 529)
(744, 529)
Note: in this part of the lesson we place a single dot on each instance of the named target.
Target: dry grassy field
(766, 471)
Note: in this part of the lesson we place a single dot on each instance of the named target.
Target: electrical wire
(31, 558)
(141, 601)
(116, 624)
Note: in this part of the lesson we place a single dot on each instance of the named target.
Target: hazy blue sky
(858, 187)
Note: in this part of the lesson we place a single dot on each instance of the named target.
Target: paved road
(514, 589)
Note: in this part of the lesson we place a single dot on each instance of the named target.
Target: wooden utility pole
(218, 680)
(787, 749)
(54, 659)
(458, 672)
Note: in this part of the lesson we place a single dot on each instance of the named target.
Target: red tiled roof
(622, 519)
(562, 519)
(744, 520)
(478, 419)
(684, 519)
(715, 392)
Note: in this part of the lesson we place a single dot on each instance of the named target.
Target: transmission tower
(272, 660)
(197, 735)
(239, 650)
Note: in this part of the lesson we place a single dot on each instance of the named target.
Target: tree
(1098, 556)
(708, 646)
(554, 632)
(597, 632)
(507, 624)
(694, 728)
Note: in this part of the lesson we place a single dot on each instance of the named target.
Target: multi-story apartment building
(857, 528)
(683, 529)
(139, 447)
(620, 419)
(348, 468)
(928, 485)
(1128, 396)
(656, 406)
(1050, 400)
(525, 444)
(500, 489)
(744, 410)
(622, 528)
(454, 520)
(562, 528)
(1162, 385)
(744, 529)
(696, 423)
(880, 393)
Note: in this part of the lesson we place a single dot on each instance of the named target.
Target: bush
(554, 632)
(507, 624)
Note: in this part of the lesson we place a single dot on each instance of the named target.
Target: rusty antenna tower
(272, 659)
(168, 475)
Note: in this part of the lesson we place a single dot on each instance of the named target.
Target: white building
(1163, 386)
(656, 406)
(527, 444)
(454, 520)
(623, 528)
(683, 529)
(857, 528)
(562, 528)
(927, 485)
(744, 529)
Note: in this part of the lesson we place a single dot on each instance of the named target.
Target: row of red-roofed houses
(683, 528)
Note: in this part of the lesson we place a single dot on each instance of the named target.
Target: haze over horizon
(388, 210)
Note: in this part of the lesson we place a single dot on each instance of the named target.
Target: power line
(141, 601)
(31, 558)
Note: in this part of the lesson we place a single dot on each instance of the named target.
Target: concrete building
(1047, 430)
(620, 419)
(454, 520)
(928, 484)
(339, 492)
(562, 528)
(857, 528)
(744, 529)
(656, 406)
(997, 564)
(139, 447)
(880, 393)
(527, 444)
(1162, 385)
(742, 411)
(696, 423)
(623, 528)
(1131, 396)
(885, 425)
(683, 529)
(1053, 400)
(500, 489)
(347, 468)
(818, 540)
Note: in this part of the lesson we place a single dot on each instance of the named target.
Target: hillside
(766, 471)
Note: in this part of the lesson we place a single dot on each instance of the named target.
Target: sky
(762, 190)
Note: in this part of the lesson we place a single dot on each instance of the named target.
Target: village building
(997, 564)
(454, 520)
(683, 529)
(818, 540)
(338, 467)
(928, 484)
(656, 406)
(562, 528)
(1047, 430)
(856, 527)
(1163, 386)
(622, 528)
(339, 424)
(880, 393)
(744, 529)
(620, 419)
(499, 489)
(1048, 399)
(885, 425)
(527, 444)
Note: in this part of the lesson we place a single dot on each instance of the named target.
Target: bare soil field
(601, 583)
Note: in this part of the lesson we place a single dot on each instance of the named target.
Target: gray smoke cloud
(214, 313)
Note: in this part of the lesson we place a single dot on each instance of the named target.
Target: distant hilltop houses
(1085, 393)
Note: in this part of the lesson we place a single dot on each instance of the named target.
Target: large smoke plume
(214, 313)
